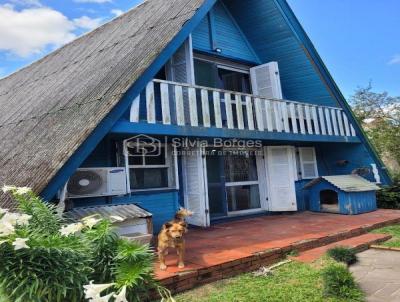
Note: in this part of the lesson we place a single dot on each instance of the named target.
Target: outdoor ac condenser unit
(95, 182)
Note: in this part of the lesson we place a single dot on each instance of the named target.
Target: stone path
(378, 273)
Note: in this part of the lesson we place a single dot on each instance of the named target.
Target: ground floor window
(150, 166)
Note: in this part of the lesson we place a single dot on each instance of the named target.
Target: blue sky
(359, 40)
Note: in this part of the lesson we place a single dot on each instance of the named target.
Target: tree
(379, 115)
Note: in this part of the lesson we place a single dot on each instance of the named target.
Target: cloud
(30, 31)
(395, 60)
(92, 1)
(26, 3)
(37, 29)
(85, 22)
(116, 12)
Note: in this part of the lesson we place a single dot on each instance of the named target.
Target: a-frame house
(224, 107)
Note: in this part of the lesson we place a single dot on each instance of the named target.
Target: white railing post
(315, 119)
(180, 111)
(166, 113)
(259, 114)
(205, 108)
(228, 110)
(239, 111)
(249, 111)
(293, 117)
(150, 103)
(217, 109)
(322, 120)
(301, 118)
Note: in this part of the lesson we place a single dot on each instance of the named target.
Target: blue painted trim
(223, 56)
(302, 36)
(128, 128)
(116, 113)
(213, 33)
(241, 32)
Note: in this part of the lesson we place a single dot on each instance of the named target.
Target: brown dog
(171, 235)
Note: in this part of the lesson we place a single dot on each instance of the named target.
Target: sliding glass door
(241, 181)
(233, 182)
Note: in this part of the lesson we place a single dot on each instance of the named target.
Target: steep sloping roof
(49, 108)
(346, 183)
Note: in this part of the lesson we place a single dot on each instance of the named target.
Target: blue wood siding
(273, 40)
(227, 36)
(353, 203)
(356, 154)
(163, 206)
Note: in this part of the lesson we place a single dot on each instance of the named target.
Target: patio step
(358, 243)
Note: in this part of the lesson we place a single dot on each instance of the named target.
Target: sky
(359, 40)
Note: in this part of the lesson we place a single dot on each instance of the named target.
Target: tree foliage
(379, 114)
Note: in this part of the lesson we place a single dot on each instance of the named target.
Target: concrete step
(358, 243)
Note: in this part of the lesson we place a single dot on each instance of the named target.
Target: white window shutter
(195, 186)
(180, 67)
(265, 81)
(308, 162)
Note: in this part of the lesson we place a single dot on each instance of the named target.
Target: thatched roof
(49, 108)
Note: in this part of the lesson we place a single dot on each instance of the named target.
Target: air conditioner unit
(95, 182)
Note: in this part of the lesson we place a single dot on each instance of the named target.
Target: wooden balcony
(177, 105)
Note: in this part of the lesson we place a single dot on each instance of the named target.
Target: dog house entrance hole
(329, 201)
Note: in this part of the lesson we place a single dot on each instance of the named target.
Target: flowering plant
(45, 257)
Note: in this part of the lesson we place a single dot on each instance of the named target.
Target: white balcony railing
(180, 104)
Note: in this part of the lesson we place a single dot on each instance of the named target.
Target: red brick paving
(359, 243)
(230, 248)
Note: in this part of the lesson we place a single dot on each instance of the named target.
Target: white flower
(71, 228)
(8, 188)
(15, 218)
(23, 190)
(6, 228)
(117, 218)
(102, 299)
(93, 291)
(3, 211)
(90, 221)
(23, 219)
(121, 297)
(20, 243)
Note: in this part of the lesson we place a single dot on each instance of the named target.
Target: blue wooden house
(221, 106)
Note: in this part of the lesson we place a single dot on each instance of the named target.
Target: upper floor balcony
(170, 108)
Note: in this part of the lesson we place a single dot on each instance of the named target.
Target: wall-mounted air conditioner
(95, 182)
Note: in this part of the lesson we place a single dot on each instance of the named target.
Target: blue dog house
(342, 194)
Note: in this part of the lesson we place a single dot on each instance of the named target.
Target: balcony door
(236, 182)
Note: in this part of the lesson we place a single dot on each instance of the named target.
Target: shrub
(339, 282)
(343, 254)
(43, 259)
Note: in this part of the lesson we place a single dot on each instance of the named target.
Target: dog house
(342, 194)
(136, 224)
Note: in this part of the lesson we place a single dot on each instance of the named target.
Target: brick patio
(228, 249)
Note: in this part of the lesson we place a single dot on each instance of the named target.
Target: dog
(171, 235)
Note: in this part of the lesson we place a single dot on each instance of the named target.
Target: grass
(293, 282)
(393, 230)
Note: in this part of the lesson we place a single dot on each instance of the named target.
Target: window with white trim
(308, 162)
(150, 167)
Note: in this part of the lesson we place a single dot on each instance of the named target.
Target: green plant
(343, 254)
(339, 282)
(389, 197)
(44, 259)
